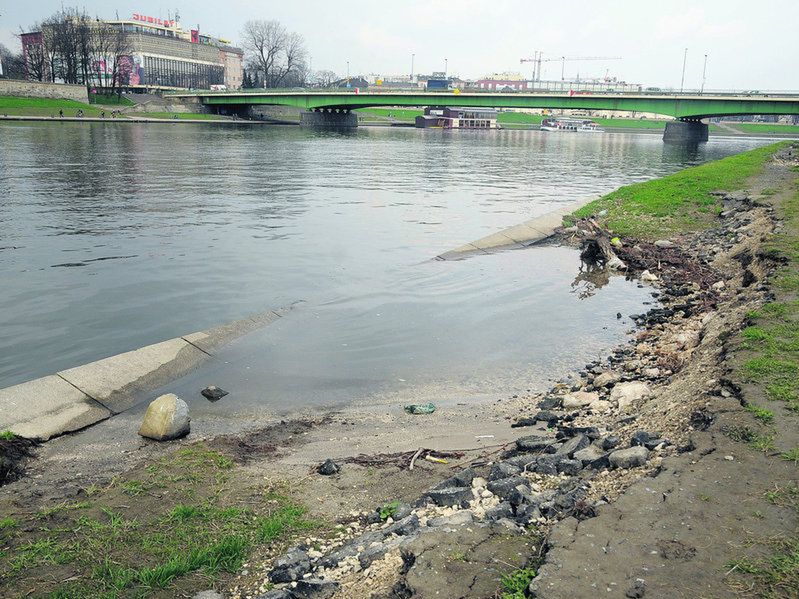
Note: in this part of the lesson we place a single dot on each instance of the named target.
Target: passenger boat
(578, 125)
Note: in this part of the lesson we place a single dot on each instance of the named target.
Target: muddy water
(117, 236)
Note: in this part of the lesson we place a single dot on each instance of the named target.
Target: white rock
(625, 394)
(600, 406)
(718, 286)
(604, 379)
(664, 243)
(166, 418)
(478, 481)
(579, 399)
(648, 277)
(616, 263)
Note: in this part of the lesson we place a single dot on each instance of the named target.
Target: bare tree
(277, 55)
(13, 64)
(325, 78)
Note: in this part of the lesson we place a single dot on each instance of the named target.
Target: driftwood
(400, 459)
(596, 247)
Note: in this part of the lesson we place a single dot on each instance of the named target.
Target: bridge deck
(679, 106)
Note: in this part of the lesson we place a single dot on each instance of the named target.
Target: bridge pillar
(329, 117)
(687, 131)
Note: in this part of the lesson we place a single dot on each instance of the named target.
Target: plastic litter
(420, 408)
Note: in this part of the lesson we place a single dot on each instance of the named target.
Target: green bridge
(333, 108)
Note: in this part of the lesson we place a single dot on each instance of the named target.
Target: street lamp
(445, 68)
(413, 56)
(682, 81)
(704, 72)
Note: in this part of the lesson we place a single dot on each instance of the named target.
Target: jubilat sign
(154, 20)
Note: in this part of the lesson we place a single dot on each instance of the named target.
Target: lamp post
(684, 59)
(445, 68)
(413, 56)
(704, 72)
(348, 71)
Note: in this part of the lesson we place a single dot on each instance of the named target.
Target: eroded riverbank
(667, 394)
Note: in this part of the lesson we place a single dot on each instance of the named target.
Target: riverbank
(240, 504)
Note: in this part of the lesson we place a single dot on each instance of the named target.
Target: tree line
(77, 49)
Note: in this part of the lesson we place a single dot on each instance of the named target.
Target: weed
(782, 496)
(764, 443)
(763, 415)
(7, 523)
(703, 497)
(458, 556)
(62, 507)
(133, 487)
(776, 574)
(36, 553)
(7, 436)
(388, 510)
(515, 584)
(791, 455)
(286, 518)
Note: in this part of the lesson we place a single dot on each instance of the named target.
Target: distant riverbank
(39, 109)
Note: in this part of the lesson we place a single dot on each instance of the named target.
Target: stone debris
(328, 468)
(631, 457)
(167, 418)
(625, 395)
(213, 393)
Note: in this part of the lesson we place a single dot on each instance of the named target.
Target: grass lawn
(167, 529)
(765, 128)
(109, 100)
(182, 116)
(678, 202)
(630, 123)
(399, 114)
(774, 332)
(18, 106)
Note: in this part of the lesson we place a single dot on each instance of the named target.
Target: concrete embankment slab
(115, 382)
(522, 235)
(81, 396)
(212, 339)
(47, 407)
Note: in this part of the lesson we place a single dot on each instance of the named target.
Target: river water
(115, 236)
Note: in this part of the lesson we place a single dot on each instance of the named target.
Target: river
(115, 236)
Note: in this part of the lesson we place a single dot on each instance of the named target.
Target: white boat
(579, 125)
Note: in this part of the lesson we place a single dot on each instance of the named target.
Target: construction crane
(538, 58)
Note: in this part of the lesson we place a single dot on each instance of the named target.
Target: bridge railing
(541, 91)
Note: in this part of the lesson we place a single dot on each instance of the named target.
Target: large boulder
(315, 588)
(166, 418)
(606, 378)
(626, 394)
(629, 458)
(579, 399)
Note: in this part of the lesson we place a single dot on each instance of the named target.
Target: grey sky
(750, 45)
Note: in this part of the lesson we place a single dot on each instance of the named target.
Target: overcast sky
(750, 45)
